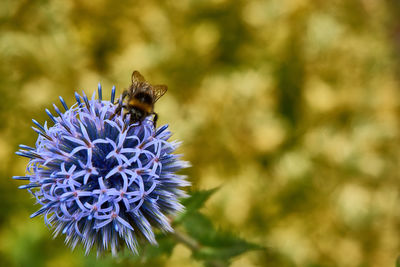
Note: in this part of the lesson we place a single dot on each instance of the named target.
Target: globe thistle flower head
(103, 182)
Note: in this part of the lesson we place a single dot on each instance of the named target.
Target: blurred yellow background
(291, 106)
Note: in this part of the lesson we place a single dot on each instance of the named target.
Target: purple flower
(103, 182)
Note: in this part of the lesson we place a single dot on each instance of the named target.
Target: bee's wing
(137, 77)
(159, 91)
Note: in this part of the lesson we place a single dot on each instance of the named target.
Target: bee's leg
(155, 120)
(120, 105)
(117, 111)
(126, 114)
(122, 97)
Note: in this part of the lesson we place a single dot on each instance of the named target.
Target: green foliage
(193, 203)
(214, 244)
(165, 247)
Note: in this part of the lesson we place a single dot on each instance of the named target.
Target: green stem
(186, 240)
(194, 246)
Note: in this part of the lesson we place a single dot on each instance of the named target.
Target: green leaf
(398, 261)
(214, 244)
(165, 246)
(198, 198)
(195, 202)
(224, 246)
(199, 227)
(214, 247)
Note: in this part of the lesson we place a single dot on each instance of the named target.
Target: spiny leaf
(199, 227)
(198, 198)
(195, 202)
(215, 244)
(165, 246)
(224, 246)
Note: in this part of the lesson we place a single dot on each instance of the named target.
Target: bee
(140, 99)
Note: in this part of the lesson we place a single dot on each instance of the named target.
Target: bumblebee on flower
(103, 178)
